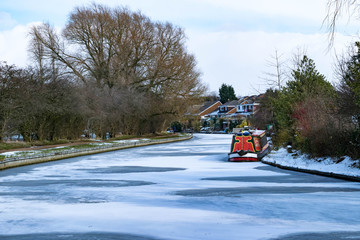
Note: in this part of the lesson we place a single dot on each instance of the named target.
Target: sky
(232, 40)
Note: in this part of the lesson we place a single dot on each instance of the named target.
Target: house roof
(202, 109)
(207, 105)
(250, 99)
(232, 110)
(231, 103)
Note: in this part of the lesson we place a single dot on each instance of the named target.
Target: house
(248, 105)
(227, 108)
(203, 110)
(227, 115)
(245, 107)
(220, 113)
(197, 115)
(227, 112)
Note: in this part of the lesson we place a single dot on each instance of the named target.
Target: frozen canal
(185, 190)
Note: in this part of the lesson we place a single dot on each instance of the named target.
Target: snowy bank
(345, 168)
(21, 158)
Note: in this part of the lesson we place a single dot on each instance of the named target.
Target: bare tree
(335, 10)
(277, 76)
(298, 56)
(45, 37)
(114, 48)
(11, 81)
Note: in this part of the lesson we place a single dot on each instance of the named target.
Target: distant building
(230, 113)
(227, 108)
(197, 115)
(247, 106)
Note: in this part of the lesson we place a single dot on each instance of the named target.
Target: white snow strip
(329, 165)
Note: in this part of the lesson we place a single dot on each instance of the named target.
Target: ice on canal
(183, 190)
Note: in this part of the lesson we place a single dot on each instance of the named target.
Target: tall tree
(303, 106)
(114, 48)
(226, 93)
(11, 90)
(349, 87)
(307, 81)
(265, 113)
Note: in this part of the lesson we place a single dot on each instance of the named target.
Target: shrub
(176, 126)
(282, 138)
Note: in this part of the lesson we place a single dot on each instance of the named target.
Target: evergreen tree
(227, 93)
(302, 109)
(349, 88)
(307, 81)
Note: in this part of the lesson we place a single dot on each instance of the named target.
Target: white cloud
(230, 38)
(6, 20)
(235, 58)
(302, 8)
(15, 42)
(239, 59)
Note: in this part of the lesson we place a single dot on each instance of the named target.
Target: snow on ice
(178, 191)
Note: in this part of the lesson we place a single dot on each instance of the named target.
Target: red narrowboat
(249, 146)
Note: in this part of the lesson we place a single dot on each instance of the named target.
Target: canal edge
(30, 161)
(315, 172)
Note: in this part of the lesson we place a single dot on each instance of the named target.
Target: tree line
(311, 114)
(109, 71)
(308, 112)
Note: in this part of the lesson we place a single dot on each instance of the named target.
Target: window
(223, 108)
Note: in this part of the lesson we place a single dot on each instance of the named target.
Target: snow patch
(345, 166)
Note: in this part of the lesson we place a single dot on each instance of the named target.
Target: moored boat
(249, 146)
